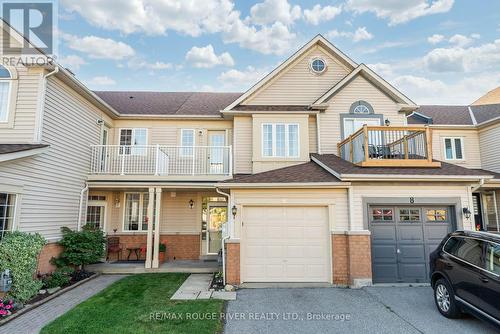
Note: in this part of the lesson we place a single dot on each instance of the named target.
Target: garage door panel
(412, 253)
(384, 254)
(435, 232)
(410, 233)
(385, 273)
(383, 233)
(285, 244)
(413, 271)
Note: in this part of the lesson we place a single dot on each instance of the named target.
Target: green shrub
(60, 277)
(80, 247)
(19, 253)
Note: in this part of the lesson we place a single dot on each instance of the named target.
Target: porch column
(156, 248)
(149, 240)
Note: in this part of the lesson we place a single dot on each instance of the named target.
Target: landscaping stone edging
(43, 301)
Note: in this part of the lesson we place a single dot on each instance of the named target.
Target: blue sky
(435, 51)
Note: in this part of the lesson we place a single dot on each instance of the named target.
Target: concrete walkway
(197, 286)
(33, 321)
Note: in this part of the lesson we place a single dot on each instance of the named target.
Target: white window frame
(141, 210)
(104, 205)
(274, 140)
(9, 93)
(185, 149)
(453, 149)
(14, 213)
(132, 151)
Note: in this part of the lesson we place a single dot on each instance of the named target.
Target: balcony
(389, 146)
(169, 162)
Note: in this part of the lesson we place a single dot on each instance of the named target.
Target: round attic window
(318, 65)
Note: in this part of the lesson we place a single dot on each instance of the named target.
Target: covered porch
(160, 227)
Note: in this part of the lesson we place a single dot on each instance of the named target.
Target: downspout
(318, 133)
(226, 237)
(41, 107)
(350, 208)
(78, 227)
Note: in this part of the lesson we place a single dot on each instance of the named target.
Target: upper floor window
(5, 86)
(187, 142)
(7, 212)
(133, 137)
(454, 148)
(280, 140)
(318, 65)
(361, 107)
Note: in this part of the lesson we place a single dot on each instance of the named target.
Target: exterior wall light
(466, 213)
(191, 203)
(387, 122)
(234, 211)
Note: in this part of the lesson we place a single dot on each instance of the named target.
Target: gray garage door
(402, 239)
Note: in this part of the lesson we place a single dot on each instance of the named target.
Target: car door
(491, 279)
(464, 268)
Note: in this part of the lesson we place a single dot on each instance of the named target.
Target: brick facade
(179, 246)
(46, 254)
(233, 263)
(351, 256)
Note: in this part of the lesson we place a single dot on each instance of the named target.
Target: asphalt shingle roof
(456, 115)
(168, 103)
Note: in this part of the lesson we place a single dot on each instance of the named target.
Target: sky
(434, 51)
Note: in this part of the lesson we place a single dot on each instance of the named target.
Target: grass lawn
(126, 307)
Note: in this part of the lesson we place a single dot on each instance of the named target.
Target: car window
(492, 262)
(467, 249)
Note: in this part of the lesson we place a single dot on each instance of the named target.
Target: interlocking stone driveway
(370, 310)
(34, 320)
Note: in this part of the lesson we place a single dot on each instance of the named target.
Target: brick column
(340, 256)
(233, 263)
(360, 260)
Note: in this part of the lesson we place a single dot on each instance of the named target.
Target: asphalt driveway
(334, 310)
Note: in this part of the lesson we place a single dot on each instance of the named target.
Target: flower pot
(161, 257)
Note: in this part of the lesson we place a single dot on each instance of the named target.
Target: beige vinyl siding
(405, 191)
(177, 216)
(488, 145)
(297, 84)
(24, 106)
(313, 135)
(358, 89)
(472, 156)
(242, 145)
(298, 197)
(51, 182)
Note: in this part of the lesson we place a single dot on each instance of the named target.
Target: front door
(104, 142)
(217, 215)
(478, 211)
(95, 215)
(216, 141)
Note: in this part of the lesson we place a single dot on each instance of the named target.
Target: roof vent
(130, 97)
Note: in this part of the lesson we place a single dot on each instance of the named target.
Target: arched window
(361, 107)
(5, 86)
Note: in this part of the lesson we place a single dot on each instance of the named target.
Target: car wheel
(445, 299)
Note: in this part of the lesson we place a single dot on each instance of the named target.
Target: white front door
(216, 141)
(285, 244)
(352, 125)
(96, 215)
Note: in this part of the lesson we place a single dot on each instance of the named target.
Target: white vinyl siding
(453, 148)
(488, 144)
(51, 182)
(280, 140)
(243, 148)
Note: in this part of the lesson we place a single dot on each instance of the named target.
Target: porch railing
(389, 146)
(161, 160)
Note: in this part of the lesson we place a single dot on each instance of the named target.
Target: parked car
(465, 275)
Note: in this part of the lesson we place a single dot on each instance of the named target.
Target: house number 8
(412, 200)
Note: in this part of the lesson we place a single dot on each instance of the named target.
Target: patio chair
(372, 151)
(113, 246)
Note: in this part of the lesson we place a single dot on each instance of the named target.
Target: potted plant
(163, 253)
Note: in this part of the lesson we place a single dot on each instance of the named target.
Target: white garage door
(285, 244)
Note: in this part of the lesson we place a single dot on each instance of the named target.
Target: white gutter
(78, 227)
(41, 106)
(481, 183)
(226, 237)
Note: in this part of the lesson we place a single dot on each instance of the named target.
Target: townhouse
(315, 174)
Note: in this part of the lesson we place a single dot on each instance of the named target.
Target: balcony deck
(389, 146)
(158, 162)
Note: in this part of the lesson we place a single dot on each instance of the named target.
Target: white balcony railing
(161, 160)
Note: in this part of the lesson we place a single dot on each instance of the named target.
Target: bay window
(136, 212)
(280, 140)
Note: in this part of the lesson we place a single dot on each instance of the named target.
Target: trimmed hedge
(19, 253)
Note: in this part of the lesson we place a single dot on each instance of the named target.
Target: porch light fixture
(387, 122)
(191, 203)
(466, 213)
(234, 211)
